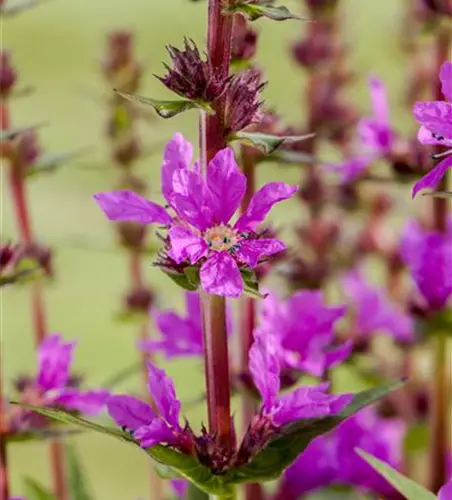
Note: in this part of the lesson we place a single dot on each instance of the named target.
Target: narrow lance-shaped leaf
(167, 109)
(78, 488)
(185, 466)
(253, 11)
(265, 142)
(279, 453)
(406, 486)
(49, 162)
(36, 491)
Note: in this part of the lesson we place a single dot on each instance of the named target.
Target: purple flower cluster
(302, 329)
(435, 118)
(332, 460)
(53, 386)
(200, 231)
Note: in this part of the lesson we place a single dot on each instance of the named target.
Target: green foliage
(295, 437)
(76, 476)
(250, 283)
(195, 493)
(187, 280)
(49, 162)
(408, 488)
(35, 491)
(167, 109)
(265, 142)
(253, 11)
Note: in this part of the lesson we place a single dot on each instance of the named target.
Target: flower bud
(7, 256)
(131, 235)
(244, 40)
(139, 300)
(133, 183)
(8, 74)
(27, 150)
(39, 254)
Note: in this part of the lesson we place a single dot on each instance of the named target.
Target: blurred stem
(253, 491)
(440, 416)
(4, 475)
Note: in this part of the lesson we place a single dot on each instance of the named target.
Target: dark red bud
(132, 182)
(7, 254)
(131, 235)
(139, 300)
(244, 40)
(8, 74)
(38, 253)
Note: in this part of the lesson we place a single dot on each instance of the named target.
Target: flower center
(221, 238)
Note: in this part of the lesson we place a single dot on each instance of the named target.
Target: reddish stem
(440, 419)
(17, 187)
(4, 476)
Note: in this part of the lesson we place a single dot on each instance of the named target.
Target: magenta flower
(374, 312)
(332, 460)
(304, 402)
(376, 133)
(428, 255)
(435, 118)
(201, 233)
(303, 331)
(445, 493)
(53, 386)
(181, 336)
(180, 487)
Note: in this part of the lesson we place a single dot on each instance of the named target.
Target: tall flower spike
(192, 77)
(428, 255)
(435, 118)
(374, 312)
(201, 233)
(302, 329)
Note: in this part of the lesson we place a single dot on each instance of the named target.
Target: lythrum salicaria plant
(206, 246)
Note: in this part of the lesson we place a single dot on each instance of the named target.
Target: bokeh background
(57, 49)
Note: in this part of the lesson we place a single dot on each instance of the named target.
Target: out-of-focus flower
(52, 386)
(201, 233)
(435, 118)
(302, 331)
(180, 487)
(244, 40)
(192, 77)
(373, 312)
(428, 255)
(332, 460)
(445, 493)
(8, 74)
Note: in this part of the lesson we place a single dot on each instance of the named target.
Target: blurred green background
(56, 48)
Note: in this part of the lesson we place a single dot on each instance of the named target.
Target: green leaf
(192, 273)
(76, 476)
(167, 109)
(250, 283)
(35, 491)
(6, 135)
(17, 277)
(40, 435)
(288, 157)
(439, 325)
(265, 142)
(406, 486)
(195, 493)
(184, 466)
(254, 11)
(271, 461)
(181, 279)
(49, 162)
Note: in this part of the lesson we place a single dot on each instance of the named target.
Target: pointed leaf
(408, 488)
(195, 493)
(185, 466)
(36, 491)
(279, 453)
(250, 284)
(288, 157)
(78, 488)
(254, 11)
(265, 142)
(167, 109)
(181, 279)
(40, 435)
(49, 162)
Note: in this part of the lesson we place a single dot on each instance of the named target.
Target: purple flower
(180, 487)
(376, 133)
(435, 118)
(201, 232)
(181, 336)
(445, 493)
(303, 331)
(374, 312)
(305, 402)
(53, 385)
(332, 460)
(428, 255)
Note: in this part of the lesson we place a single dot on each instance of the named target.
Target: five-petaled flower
(201, 233)
(428, 255)
(435, 118)
(53, 386)
(303, 331)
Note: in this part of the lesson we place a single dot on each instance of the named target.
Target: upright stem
(440, 418)
(17, 187)
(4, 476)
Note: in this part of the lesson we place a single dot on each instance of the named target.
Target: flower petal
(433, 178)
(180, 487)
(54, 358)
(162, 390)
(379, 98)
(130, 412)
(351, 169)
(262, 202)
(177, 154)
(126, 205)
(436, 116)
(445, 493)
(157, 432)
(265, 369)
(193, 306)
(226, 183)
(191, 199)
(424, 136)
(375, 136)
(87, 402)
(445, 75)
(185, 245)
(220, 275)
(250, 251)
